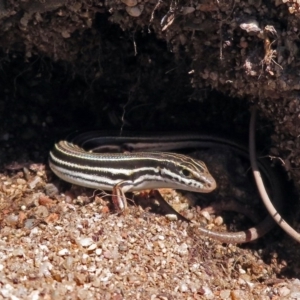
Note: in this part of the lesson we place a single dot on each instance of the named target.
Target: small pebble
(172, 217)
(135, 11)
(225, 294)
(98, 251)
(219, 221)
(283, 291)
(63, 252)
(295, 295)
(12, 220)
(205, 214)
(29, 223)
(19, 252)
(85, 242)
(183, 288)
(92, 247)
(51, 190)
(34, 182)
(21, 181)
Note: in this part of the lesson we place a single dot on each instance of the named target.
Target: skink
(85, 160)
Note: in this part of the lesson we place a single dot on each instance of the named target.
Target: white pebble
(85, 242)
(218, 221)
(21, 181)
(85, 256)
(172, 217)
(205, 214)
(295, 295)
(92, 247)
(183, 287)
(63, 252)
(99, 251)
(120, 224)
(135, 11)
(6, 290)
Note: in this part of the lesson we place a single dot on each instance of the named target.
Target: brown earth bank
(143, 65)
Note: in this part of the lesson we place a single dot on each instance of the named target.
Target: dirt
(152, 65)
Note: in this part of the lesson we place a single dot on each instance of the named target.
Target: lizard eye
(186, 172)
